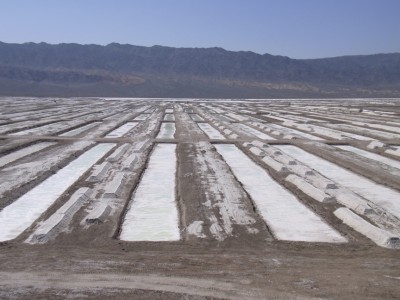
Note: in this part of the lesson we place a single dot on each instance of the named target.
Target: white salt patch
(295, 132)
(40, 129)
(221, 192)
(99, 171)
(237, 117)
(309, 189)
(196, 117)
(253, 132)
(328, 132)
(342, 135)
(118, 153)
(169, 117)
(373, 156)
(366, 131)
(383, 196)
(22, 173)
(385, 127)
(80, 129)
(167, 131)
(395, 152)
(13, 156)
(196, 228)
(142, 117)
(379, 236)
(114, 188)
(21, 214)
(100, 212)
(122, 130)
(285, 215)
(153, 215)
(211, 132)
(376, 145)
(61, 218)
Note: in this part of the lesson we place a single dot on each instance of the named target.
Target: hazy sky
(295, 28)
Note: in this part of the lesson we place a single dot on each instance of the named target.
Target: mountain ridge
(158, 71)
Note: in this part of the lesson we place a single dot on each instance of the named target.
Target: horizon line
(184, 47)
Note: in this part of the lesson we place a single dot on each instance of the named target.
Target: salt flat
(194, 198)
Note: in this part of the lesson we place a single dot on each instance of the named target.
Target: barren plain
(199, 198)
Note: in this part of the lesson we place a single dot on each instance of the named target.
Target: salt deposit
(130, 162)
(60, 219)
(383, 196)
(142, 117)
(376, 145)
(18, 216)
(167, 131)
(118, 153)
(253, 132)
(309, 189)
(99, 171)
(153, 215)
(211, 132)
(395, 151)
(370, 155)
(13, 156)
(79, 130)
(379, 236)
(122, 130)
(196, 117)
(114, 187)
(287, 218)
(100, 212)
(169, 117)
(196, 228)
(295, 132)
(221, 192)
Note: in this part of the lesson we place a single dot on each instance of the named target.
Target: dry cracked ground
(199, 199)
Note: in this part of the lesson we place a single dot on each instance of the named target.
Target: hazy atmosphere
(298, 29)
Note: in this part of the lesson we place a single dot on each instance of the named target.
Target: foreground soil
(185, 270)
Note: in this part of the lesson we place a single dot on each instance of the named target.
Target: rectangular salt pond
(44, 129)
(13, 156)
(336, 134)
(331, 133)
(122, 130)
(167, 131)
(286, 130)
(287, 218)
(367, 131)
(142, 117)
(373, 156)
(196, 117)
(20, 215)
(380, 195)
(253, 131)
(169, 117)
(211, 132)
(153, 214)
(79, 130)
(378, 126)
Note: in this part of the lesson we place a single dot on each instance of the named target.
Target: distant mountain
(125, 70)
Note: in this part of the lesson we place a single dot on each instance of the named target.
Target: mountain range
(63, 70)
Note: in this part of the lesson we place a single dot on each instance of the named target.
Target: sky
(294, 28)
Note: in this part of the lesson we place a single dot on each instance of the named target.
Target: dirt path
(177, 285)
